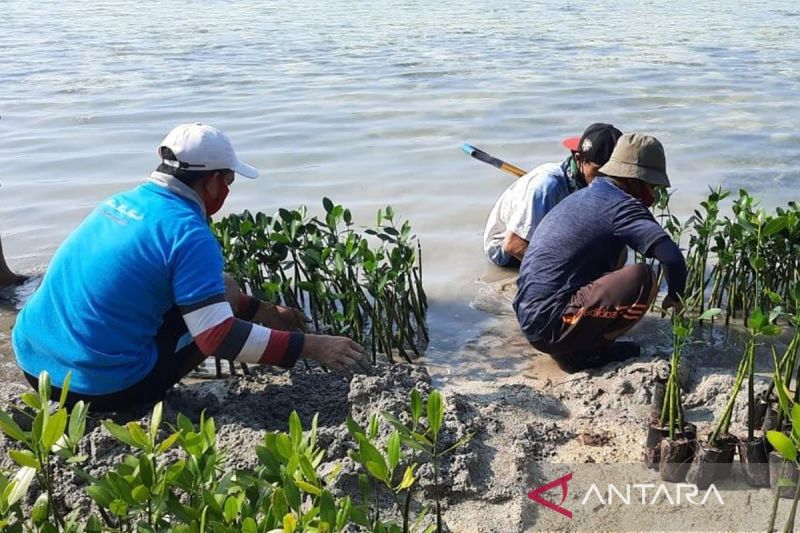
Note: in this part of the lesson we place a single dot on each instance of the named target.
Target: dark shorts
(600, 312)
(170, 367)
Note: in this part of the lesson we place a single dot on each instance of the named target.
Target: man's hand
(673, 302)
(336, 353)
(280, 317)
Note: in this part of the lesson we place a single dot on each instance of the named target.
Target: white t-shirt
(524, 204)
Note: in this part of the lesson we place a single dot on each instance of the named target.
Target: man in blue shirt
(141, 272)
(525, 202)
(574, 300)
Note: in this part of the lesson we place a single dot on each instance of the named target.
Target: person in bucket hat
(136, 298)
(526, 201)
(574, 298)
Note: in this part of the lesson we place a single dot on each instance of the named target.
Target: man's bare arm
(515, 245)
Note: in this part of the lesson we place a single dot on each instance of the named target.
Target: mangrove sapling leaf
(10, 428)
(783, 445)
(435, 410)
(19, 485)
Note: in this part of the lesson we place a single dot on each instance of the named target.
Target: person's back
(575, 298)
(521, 207)
(579, 241)
(107, 288)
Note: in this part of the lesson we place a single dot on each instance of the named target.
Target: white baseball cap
(203, 147)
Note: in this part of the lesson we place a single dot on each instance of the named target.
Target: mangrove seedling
(54, 434)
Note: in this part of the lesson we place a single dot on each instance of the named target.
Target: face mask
(212, 206)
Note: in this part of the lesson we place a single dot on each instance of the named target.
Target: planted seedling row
(367, 286)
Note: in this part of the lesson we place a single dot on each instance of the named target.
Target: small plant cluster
(671, 441)
(154, 489)
(782, 430)
(371, 293)
(731, 258)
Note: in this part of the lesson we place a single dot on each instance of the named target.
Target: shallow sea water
(369, 103)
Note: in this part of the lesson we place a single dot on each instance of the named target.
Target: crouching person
(135, 298)
(574, 297)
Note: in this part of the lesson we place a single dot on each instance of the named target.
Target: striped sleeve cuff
(248, 307)
(283, 349)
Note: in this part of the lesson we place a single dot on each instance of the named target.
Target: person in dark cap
(574, 297)
(525, 203)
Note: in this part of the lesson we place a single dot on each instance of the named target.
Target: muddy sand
(525, 414)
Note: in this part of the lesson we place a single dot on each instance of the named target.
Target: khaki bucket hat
(638, 156)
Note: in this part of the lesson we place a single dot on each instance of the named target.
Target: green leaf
(796, 418)
(184, 424)
(370, 454)
(55, 428)
(24, 458)
(40, 509)
(231, 509)
(295, 429)
(100, 495)
(756, 320)
(327, 204)
(167, 443)
(435, 408)
(31, 400)
(249, 525)
(44, 387)
(155, 422)
(138, 435)
(774, 226)
(307, 469)
(378, 470)
(284, 445)
(279, 504)
(77, 421)
(780, 386)
(119, 432)
(393, 450)
(783, 445)
(141, 493)
(10, 428)
(21, 482)
(416, 405)
(327, 509)
(118, 507)
(64, 390)
(146, 470)
(307, 487)
(708, 314)
(373, 427)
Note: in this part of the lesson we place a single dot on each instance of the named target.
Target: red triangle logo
(536, 495)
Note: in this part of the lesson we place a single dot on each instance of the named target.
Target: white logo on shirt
(122, 209)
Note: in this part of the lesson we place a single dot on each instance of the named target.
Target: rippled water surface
(369, 102)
